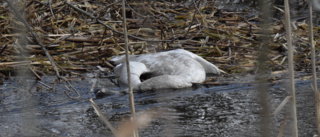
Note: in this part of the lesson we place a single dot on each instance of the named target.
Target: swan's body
(172, 69)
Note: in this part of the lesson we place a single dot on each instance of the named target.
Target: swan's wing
(164, 82)
(136, 69)
(209, 67)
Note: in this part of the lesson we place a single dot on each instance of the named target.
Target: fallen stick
(14, 63)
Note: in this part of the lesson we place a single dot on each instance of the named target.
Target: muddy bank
(231, 110)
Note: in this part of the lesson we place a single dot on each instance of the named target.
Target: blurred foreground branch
(315, 4)
(130, 125)
(262, 71)
(43, 47)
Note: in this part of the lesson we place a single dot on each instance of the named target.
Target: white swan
(172, 69)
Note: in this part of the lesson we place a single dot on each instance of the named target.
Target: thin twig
(50, 6)
(132, 36)
(5, 46)
(62, 39)
(45, 85)
(197, 8)
(15, 63)
(35, 73)
(104, 119)
(194, 16)
(282, 104)
(72, 89)
(278, 9)
(282, 126)
(34, 83)
(80, 10)
(139, 13)
(116, 2)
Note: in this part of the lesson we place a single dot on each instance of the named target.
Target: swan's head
(136, 69)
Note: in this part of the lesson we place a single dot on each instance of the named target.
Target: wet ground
(217, 111)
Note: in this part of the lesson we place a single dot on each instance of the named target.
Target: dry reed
(291, 69)
(314, 72)
(131, 97)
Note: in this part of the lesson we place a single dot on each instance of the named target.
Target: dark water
(218, 111)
